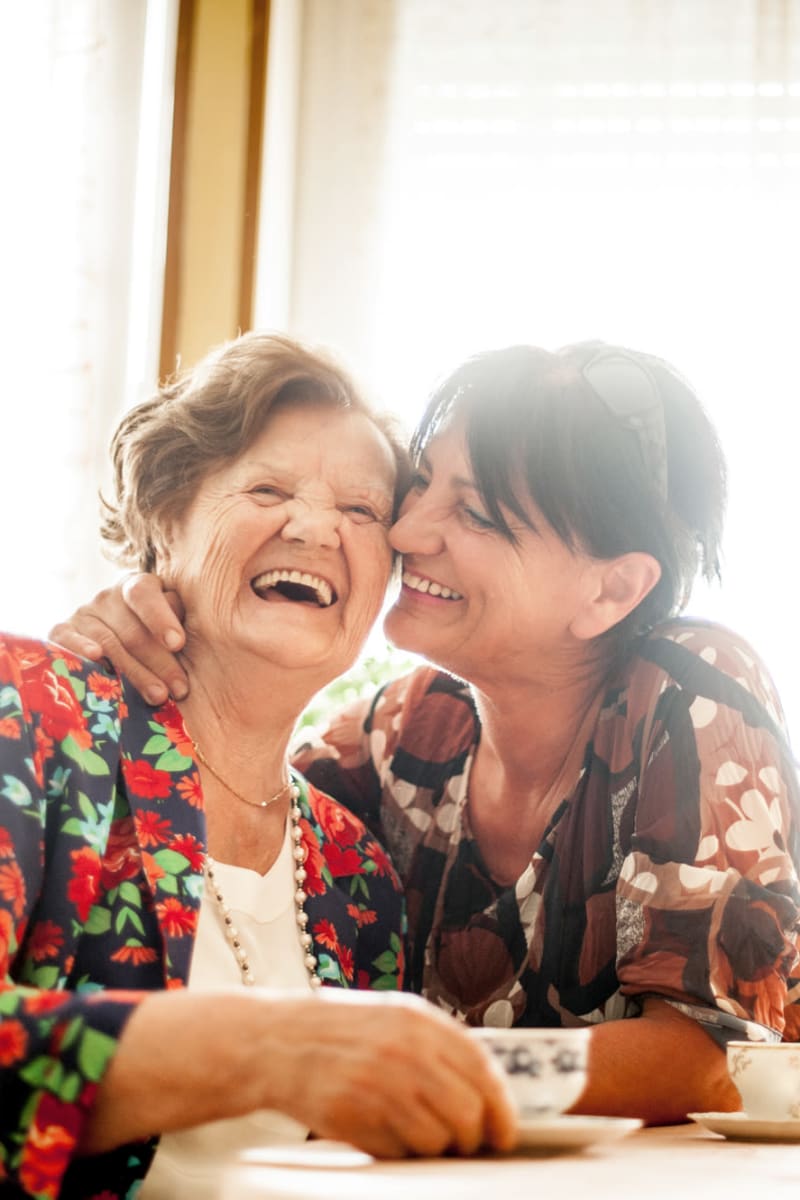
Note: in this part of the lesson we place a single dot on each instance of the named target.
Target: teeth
(321, 587)
(418, 584)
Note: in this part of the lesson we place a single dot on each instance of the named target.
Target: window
(623, 169)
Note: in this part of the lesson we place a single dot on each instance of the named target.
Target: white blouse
(187, 1163)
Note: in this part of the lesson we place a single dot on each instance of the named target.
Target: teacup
(767, 1075)
(545, 1068)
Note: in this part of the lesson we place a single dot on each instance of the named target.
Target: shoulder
(334, 823)
(715, 644)
(708, 661)
(59, 729)
(26, 660)
(427, 710)
(53, 685)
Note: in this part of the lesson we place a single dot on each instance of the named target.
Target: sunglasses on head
(630, 392)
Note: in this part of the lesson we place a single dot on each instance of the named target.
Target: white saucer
(739, 1127)
(572, 1133)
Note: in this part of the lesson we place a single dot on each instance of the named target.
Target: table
(679, 1162)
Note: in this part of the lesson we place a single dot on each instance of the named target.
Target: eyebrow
(460, 481)
(357, 487)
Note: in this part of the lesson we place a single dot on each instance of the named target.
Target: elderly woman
(592, 805)
(139, 999)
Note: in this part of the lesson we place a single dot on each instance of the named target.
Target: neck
(250, 754)
(531, 749)
(243, 720)
(529, 726)
(245, 706)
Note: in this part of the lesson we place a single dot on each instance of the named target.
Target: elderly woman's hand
(388, 1072)
(397, 1076)
(137, 626)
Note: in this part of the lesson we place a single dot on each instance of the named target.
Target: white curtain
(472, 174)
(82, 221)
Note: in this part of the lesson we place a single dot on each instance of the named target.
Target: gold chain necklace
(253, 803)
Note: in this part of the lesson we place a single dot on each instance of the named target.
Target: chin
(406, 633)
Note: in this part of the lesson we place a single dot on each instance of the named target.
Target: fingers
(501, 1122)
(403, 1078)
(108, 627)
(160, 612)
(66, 634)
(452, 1117)
(483, 1081)
(390, 1125)
(431, 1109)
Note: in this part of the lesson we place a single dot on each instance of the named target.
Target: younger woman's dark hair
(537, 430)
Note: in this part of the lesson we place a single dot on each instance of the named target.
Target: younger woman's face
(471, 601)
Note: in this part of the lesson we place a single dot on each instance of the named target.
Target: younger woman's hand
(137, 626)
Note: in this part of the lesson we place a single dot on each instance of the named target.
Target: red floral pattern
(152, 829)
(51, 1143)
(191, 848)
(122, 859)
(177, 918)
(341, 861)
(84, 886)
(12, 887)
(145, 780)
(45, 941)
(104, 686)
(13, 1042)
(122, 833)
(189, 787)
(62, 715)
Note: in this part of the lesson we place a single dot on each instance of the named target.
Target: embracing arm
(137, 627)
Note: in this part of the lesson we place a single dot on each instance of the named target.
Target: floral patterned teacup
(767, 1075)
(545, 1068)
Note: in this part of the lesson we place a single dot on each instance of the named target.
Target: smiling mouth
(428, 587)
(300, 586)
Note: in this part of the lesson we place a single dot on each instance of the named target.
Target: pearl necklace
(232, 934)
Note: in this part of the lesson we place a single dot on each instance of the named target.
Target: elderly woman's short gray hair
(208, 415)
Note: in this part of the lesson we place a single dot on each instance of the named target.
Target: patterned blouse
(102, 845)
(670, 869)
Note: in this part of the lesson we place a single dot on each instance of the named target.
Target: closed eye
(266, 494)
(364, 514)
(477, 520)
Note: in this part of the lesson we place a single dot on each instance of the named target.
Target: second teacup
(767, 1075)
(545, 1068)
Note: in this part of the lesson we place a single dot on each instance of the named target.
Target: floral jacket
(102, 844)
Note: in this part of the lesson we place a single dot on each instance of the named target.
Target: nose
(312, 524)
(418, 529)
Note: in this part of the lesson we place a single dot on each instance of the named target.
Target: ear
(616, 586)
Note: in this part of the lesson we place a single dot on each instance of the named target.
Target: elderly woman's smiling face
(283, 553)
